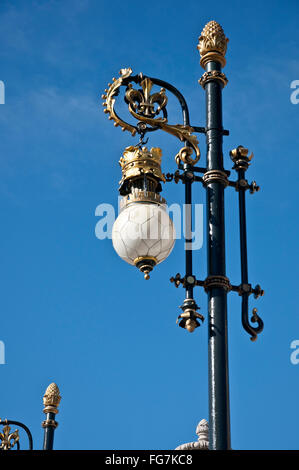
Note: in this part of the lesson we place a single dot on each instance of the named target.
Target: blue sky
(71, 310)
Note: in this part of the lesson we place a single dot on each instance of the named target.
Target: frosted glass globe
(143, 230)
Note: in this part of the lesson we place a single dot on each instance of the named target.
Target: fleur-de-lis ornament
(143, 102)
(8, 439)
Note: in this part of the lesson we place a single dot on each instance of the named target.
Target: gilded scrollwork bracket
(8, 439)
(11, 439)
(150, 111)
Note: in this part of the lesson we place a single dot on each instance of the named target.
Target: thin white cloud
(53, 111)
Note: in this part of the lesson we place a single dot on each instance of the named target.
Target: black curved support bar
(147, 120)
(188, 231)
(188, 190)
(21, 425)
(156, 81)
(179, 96)
(253, 331)
(188, 184)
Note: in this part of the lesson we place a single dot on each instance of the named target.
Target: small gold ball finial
(145, 264)
(51, 399)
(212, 44)
(190, 325)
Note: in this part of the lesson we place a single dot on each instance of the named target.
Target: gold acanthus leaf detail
(183, 133)
(143, 102)
(109, 102)
(212, 43)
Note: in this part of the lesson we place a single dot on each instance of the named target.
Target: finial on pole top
(51, 399)
(212, 44)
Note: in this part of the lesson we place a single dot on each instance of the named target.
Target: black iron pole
(215, 182)
(219, 420)
(49, 426)
(51, 401)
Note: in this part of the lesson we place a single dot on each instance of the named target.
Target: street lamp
(143, 234)
(10, 439)
(140, 187)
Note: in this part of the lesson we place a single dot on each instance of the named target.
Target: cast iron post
(51, 401)
(212, 47)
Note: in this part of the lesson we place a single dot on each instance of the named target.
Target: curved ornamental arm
(10, 439)
(253, 331)
(147, 108)
(241, 162)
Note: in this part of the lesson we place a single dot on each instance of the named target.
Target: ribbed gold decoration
(212, 44)
(51, 399)
(140, 161)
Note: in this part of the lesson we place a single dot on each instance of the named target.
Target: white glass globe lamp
(143, 234)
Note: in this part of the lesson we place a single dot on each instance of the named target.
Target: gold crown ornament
(138, 162)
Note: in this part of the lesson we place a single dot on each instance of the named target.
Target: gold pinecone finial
(212, 44)
(51, 399)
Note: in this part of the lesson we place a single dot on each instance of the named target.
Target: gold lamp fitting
(240, 157)
(190, 318)
(145, 264)
(138, 162)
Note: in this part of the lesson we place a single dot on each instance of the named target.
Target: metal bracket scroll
(146, 107)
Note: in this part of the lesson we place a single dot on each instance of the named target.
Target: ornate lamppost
(143, 234)
(11, 439)
(51, 401)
